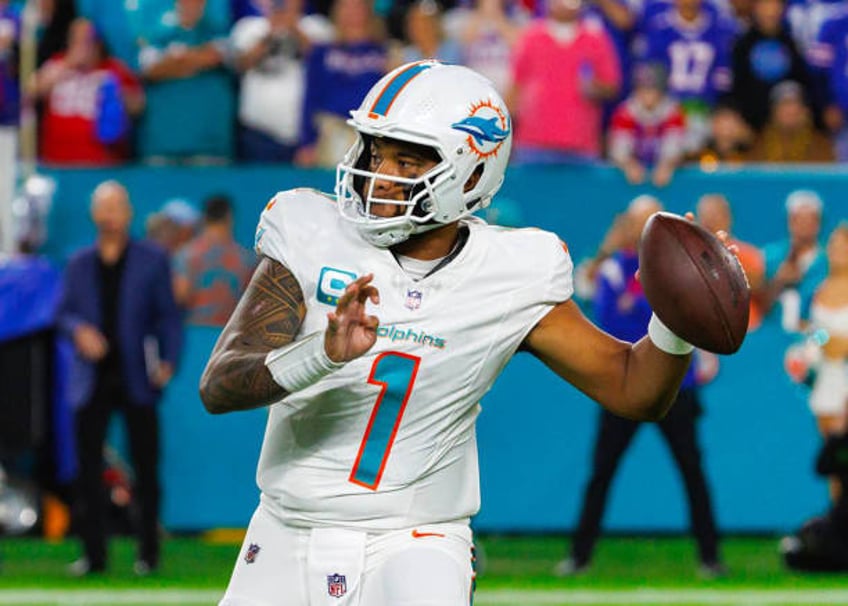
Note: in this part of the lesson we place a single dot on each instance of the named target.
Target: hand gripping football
(694, 283)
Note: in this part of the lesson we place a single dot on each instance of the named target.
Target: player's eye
(409, 165)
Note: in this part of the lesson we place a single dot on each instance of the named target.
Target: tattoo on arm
(267, 317)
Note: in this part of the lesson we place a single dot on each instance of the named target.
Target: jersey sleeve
(272, 238)
(541, 277)
(561, 282)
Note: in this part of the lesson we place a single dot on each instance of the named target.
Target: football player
(374, 324)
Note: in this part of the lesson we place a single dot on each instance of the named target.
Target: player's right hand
(350, 332)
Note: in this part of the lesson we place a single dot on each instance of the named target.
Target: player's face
(395, 159)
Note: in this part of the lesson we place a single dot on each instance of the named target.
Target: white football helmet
(449, 108)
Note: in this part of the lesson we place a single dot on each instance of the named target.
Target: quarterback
(374, 324)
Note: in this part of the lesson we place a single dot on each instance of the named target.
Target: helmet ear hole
(473, 178)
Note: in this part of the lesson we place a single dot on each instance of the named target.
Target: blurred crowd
(799, 284)
(644, 84)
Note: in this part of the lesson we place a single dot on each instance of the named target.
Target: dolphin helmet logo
(482, 129)
(487, 127)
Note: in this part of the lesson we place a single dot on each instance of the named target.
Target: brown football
(694, 283)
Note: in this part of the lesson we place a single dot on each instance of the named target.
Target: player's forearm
(651, 379)
(267, 317)
(238, 380)
(638, 381)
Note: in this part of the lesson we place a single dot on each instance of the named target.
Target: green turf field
(517, 572)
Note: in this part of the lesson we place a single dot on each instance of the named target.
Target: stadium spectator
(160, 230)
(269, 53)
(212, 270)
(821, 544)
(647, 129)
(729, 140)
(797, 265)
(147, 18)
(10, 91)
(174, 225)
(118, 308)
(619, 18)
(714, 214)
(186, 217)
(693, 42)
(616, 238)
(829, 312)
(762, 57)
(425, 38)
(487, 32)
(723, 9)
(338, 75)
(563, 69)
(820, 359)
(182, 62)
(623, 311)
(88, 100)
(790, 135)
(829, 60)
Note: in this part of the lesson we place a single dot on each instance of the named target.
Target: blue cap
(181, 211)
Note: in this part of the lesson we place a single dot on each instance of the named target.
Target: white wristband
(301, 363)
(666, 340)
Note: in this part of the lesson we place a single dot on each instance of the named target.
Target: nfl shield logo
(252, 552)
(413, 299)
(336, 585)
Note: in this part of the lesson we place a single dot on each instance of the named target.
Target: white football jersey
(388, 441)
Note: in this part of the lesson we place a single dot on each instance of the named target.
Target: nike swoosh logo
(418, 535)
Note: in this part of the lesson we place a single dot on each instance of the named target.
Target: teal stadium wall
(535, 434)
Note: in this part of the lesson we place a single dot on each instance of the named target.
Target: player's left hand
(350, 332)
(722, 235)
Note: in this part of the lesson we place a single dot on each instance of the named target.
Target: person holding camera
(269, 52)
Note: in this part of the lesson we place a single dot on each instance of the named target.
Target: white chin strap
(385, 236)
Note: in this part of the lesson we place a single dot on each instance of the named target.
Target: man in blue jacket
(118, 308)
(622, 309)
